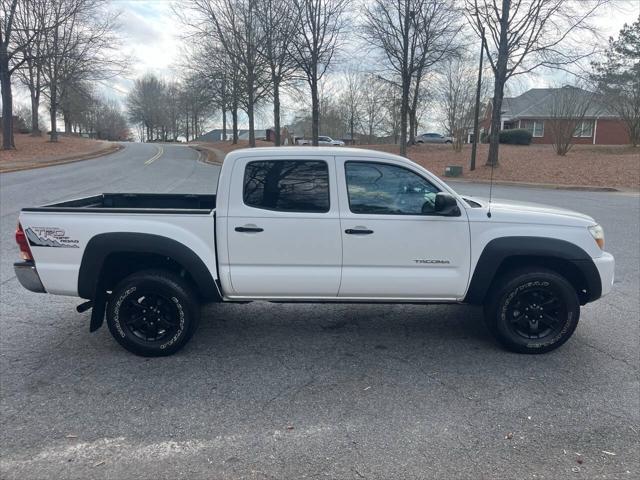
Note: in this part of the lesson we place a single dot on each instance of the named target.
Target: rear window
(287, 185)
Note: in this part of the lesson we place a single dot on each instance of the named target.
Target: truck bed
(134, 203)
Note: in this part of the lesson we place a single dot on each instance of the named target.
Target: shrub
(517, 136)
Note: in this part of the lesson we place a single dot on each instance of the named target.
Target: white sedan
(330, 141)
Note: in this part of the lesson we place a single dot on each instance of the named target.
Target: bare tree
(17, 31)
(143, 104)
(277, 23)
(523, 35)
(235, 26)
(412, 36)
(78, 47)
(318, 30)
(373, 98)
(569, 106)
(78, 97)
(33, 40)
(198, 103)
(351, 100)
(439, 25)
(457, 93)
(618, 78)
(209, 63)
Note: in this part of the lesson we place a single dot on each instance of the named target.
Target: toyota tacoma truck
(307, 224)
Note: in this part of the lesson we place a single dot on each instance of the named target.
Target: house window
(536, 127)
(584, 129)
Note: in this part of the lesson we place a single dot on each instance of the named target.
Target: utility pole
(474, 148)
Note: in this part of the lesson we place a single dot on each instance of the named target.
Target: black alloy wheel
(536, 312)
(149, 316)
(532, 310)
(153, 313)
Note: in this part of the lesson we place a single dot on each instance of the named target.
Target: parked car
(323, 140)
(433, 138)
(295, 224)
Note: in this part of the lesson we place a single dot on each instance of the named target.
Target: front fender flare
(497, 251)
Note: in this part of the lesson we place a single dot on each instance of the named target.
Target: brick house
(533, 109)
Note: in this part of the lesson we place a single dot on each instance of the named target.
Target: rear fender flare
(105, 244)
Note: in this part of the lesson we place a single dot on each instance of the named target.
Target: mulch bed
(33, 152)
(584, 166)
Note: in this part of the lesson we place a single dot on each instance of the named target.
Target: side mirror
(446, 205)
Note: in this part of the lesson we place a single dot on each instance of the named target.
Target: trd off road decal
(49, 237)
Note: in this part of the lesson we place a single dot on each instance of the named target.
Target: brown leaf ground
(38, 151)
(584, 165)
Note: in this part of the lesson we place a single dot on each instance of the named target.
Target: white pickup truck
(304, 224)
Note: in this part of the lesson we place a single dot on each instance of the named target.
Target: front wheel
(152, 313)
(532, 311)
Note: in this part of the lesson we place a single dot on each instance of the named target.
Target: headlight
(597, 232)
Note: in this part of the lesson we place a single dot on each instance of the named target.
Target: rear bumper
(28, 276)
(606, 266)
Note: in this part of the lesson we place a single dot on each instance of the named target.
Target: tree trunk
(234, 119)
(498, 90)
(404, 111)
(67, 122)
(34, 94)
(494, 136)
(276, 112)
(7, 103)
(352, 132)
(406, 80)
(53, 113)
(186, 117)
(412, 126)
(35, 116)
(315, 111)
(53, 89)
(250, 105)
(224, 124)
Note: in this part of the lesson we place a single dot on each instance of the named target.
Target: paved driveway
(312, 391)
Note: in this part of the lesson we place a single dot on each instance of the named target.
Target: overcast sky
(151, 38)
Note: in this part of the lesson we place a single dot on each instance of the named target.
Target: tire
(532, 311)
(168, 298)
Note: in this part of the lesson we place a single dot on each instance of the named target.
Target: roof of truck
(308, 150)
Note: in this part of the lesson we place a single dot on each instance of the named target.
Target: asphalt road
(312, 391)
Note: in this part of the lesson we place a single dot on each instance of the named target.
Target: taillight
(23, 244)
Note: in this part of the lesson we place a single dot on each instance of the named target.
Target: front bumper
(28, 276)
(606, 265)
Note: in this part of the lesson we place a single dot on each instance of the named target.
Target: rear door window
(287, 185)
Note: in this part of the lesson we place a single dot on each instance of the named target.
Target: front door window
(378, 188)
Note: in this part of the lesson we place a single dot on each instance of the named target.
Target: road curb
(552, 186)
(62, 161)
(208, 155)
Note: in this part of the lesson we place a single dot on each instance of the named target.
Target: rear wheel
(532, 311)
(152, 313)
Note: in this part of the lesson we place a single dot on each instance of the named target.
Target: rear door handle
(358, 231)
(249, 229)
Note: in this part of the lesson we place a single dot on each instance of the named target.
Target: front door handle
(249, 229)
(358, 231)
